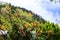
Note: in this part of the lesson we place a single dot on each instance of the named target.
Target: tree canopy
(22, 24)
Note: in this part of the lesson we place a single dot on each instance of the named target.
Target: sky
(48, 10)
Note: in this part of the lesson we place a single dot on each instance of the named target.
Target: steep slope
(22, 24)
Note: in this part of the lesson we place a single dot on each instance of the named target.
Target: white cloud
(44, 8)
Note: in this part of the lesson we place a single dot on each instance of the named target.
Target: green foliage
(25, 25)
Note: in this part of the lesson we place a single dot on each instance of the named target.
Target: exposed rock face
(3, 32)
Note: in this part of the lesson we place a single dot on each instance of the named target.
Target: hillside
(17, 23)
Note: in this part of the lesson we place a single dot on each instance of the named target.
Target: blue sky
(48, 10)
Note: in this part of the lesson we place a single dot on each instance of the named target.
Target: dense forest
(17, 23)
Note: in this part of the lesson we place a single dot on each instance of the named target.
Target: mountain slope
(22, 24)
